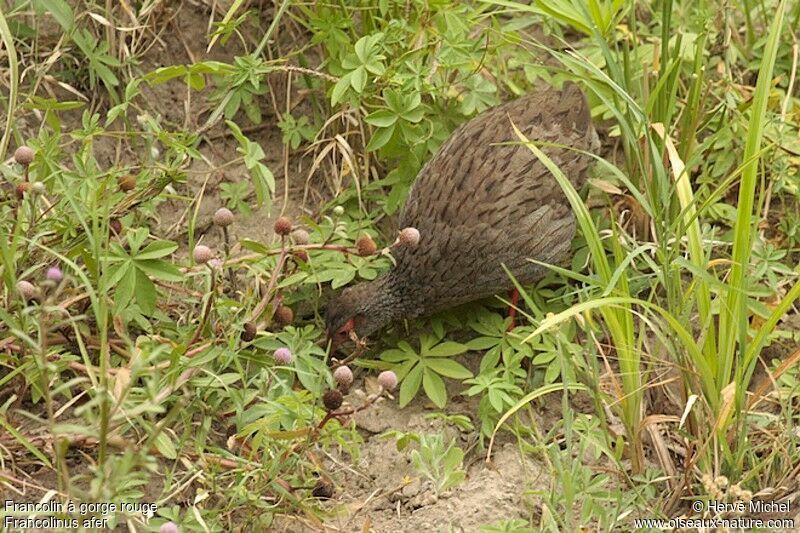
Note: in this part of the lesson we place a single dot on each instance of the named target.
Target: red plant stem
(347, 412)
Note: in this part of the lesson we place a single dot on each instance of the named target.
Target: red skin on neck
(343, 334)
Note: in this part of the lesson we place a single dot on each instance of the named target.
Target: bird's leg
(512, 310)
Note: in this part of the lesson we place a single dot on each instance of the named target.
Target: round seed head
(24, 155)
(365, 245)
(37, 187)
(323, 490)
(409, 237)
(115, 225)
(168, 527)
(127, 183)
(215, 263)
(54, 274)
(283, 356)
(284, 315)
(343, 376)
(249, 331)
(283, 226)
(332, 400)
(338, 210)
(387, 379)
(300, 236)
(302, 255)
(26, 289)
(202, 254)
(223, 217)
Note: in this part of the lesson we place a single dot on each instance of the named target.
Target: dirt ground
(380, 491)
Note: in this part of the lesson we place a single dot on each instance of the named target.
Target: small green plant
(426, 367)
(433, 457)
(439, 462)
(295, 131)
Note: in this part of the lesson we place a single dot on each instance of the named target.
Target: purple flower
(168, 527)
(283, 356)
(54, 274)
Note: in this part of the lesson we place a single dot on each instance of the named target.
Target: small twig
(347, 250)
(207, 310)
(262, 305)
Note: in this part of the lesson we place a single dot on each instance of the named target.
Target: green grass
(149, 374)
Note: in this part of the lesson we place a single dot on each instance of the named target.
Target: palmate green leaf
(395, 355)
(342, 278)
(448, 368)
(380, 138)
(414, 115)
(381, 118)
(358, 79)
(483, 343)
(136, 238)
(340, 89)
(445, 349)
(145, 293)
(116, 272)
(410, 385)
(157, 249)
(495, 399)
(125, 287)
(406, 347)
(434, 387)
(159, 269)
(402, 370)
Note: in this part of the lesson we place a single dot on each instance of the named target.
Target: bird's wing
(485, 199)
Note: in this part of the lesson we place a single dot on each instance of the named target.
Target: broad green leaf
(340, 89)
(482, 343)
(125, 288)
(410, 385)
(381, 118)
(448, 368)
(159, 269)
(434, 388)
(380, 138)
(145, 293)
(446, 349)
(157, 249)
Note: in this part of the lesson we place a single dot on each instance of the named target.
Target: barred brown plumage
(483, 201)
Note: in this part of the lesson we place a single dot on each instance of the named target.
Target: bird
(482, 202)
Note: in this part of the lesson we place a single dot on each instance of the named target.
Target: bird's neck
(389, 299)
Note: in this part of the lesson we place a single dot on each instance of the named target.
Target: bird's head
(361, 309)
